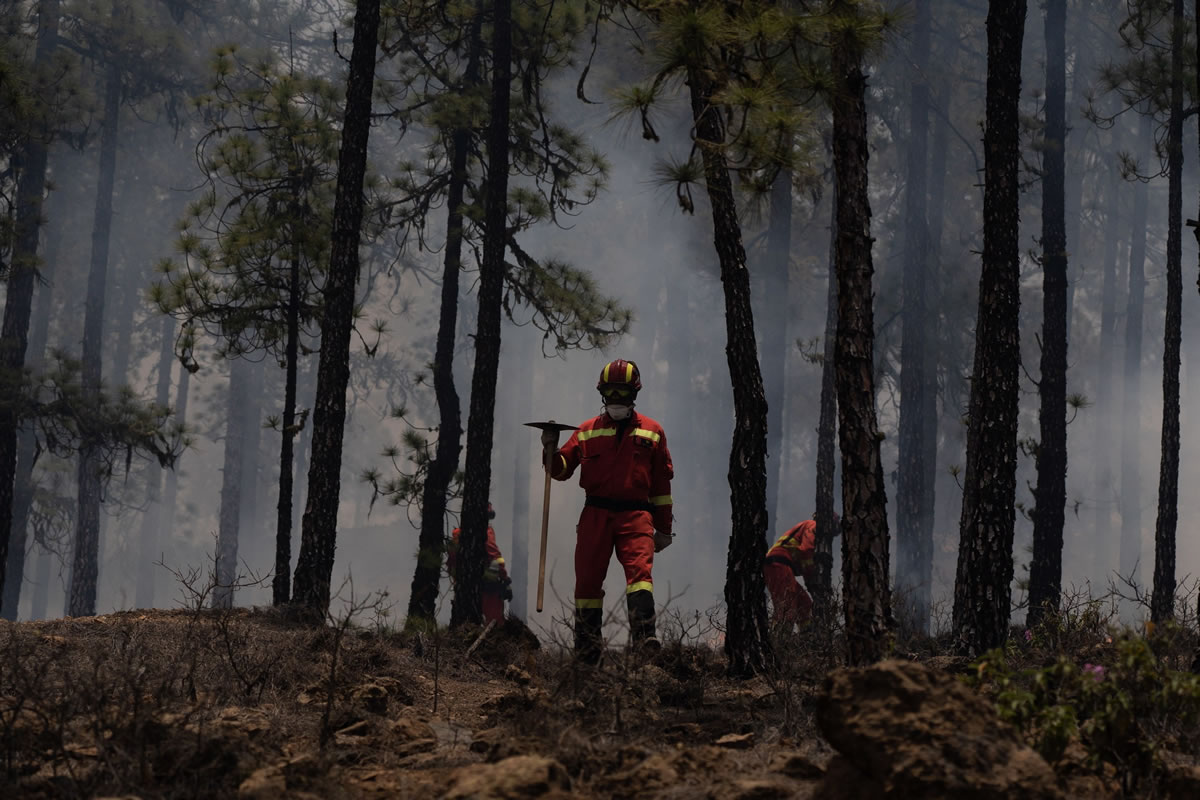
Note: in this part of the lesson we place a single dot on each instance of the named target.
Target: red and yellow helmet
(620, 378)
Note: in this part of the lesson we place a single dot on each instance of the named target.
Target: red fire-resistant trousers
(792, 603)
(493, 605)
(600, 532)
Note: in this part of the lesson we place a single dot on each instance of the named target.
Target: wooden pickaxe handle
(545, 528)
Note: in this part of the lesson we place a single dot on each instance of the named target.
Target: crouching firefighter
(625, 469)
(793, 555)
(497, 586)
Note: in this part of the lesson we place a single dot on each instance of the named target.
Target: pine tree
(985, 559)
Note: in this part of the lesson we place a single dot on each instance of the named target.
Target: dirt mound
(905, 730)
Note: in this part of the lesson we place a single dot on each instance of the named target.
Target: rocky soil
(244, 704)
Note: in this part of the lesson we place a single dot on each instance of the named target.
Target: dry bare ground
(245, 704)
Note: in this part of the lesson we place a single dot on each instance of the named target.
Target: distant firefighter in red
(793, 555)
(497, 586)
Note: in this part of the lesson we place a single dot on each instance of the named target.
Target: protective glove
(507, 592)
(549, 440)
(662, 541)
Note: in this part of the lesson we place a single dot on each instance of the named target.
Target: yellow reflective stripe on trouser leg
(589, 602)
(639, 586)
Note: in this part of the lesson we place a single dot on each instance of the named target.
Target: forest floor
(240, 703)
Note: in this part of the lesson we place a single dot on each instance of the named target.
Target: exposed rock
(908, 731)
(265, 783)
(510, 779)
(410, 735)
(517, 675)
(739, 741)
(372, 697)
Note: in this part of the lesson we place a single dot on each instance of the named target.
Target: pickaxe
(549, 425)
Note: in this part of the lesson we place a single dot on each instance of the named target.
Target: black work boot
(588, 640)
(641, 621)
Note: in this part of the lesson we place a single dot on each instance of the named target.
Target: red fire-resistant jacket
(494, 572)
(796, 547)
(624, 461)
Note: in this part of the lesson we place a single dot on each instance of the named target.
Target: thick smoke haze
(659, 263)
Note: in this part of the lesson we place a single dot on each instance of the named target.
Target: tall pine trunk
(467, 604)
(747, 644)
(422, 598)
(1101, 540)
(518, 571)
(914, 529)
(1045, 569)
(314, 567)
(143, 593)
(280, 583)
(30, 163)
(866, 596)
(822, 587)
(87, 521)
(1131, 431)
(982, 587)
(1162, 600)
(774, 327)
(230, 516)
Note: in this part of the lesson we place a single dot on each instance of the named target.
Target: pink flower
(1097, 671)
(1028, 635)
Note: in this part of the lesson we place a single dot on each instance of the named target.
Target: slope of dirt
(248, 705)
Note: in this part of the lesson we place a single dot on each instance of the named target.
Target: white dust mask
(618, 411)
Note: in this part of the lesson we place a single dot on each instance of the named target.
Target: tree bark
(87, 522)
(143, 593)
(1045, 569)
(914, 530)
(422, 598)
(774, 327)
(1162, 600)
(280, 583)
(230, 517)
(865, 591)
(467, 604)
(1131, 435)
(747, 641)
(18, 300)
(1102, 539)
(982, 587)
(314, 567)
(827, 529)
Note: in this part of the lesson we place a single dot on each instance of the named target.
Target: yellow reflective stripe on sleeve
(645, 434)
(661, 500)
(592, 434)
(639, 586)
(589, 602)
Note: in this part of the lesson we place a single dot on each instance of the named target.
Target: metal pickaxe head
(551, 425)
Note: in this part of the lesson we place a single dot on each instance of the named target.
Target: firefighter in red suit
(793, 555)
(625, 469)
(497, 586)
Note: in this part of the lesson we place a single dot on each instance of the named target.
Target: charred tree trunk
(467, 604)
(1131, 437)
(314, 567)
(914, 531)
(171, 484)
(518, 571)
(1162, 600)
(747, 643)
(1102, 538)
(143, 596)
(230, 516)
(774, 327)
(865, 591)
(822, 587)
(1045, 569)
(281, 583)
(87, 522)
(985, 561)
(30, 163)
(422, 598)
